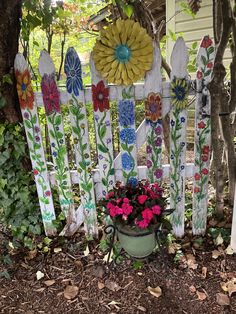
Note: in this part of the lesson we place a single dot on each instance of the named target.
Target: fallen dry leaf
(192, 289)
(219, 240)
(49, 283)
(70, 292)
(31, 254)
(173, 247)
(79, 264)
(86, 252)
(157, 292)
(222, 299)
(215, 254)
(201, 295)
(113, 303)
(141, 308)
(204, 272)
(99, 271)
(191, 261)
(229, 286)
(105, 258)
(39, 275)
(57, 249)
(229, 250)
(112, 285)
(39, 290)
(101, 285)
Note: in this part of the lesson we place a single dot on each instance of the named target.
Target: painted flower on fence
(126, 112)
(72, 69)
(153, 108)
(206, 42)
(100, 95)
(179, 92)
(127, 161)
(51, 95)
(123, 53)
(24, 89)
(128, 136)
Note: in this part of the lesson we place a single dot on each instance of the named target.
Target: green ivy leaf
(58, 120)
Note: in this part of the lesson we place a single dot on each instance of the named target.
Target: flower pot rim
(127, 230)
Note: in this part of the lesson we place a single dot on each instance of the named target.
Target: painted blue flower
(127, 161)
(133, 181)
(172, 185)
(61, 141)
(126, 112)
(128, 136)
(72, 69)
(53, 145)
(54, 154)
(182, 144)
(178, 199)
(182, 167)
(182, 119)
(172, 123)
(172, 156)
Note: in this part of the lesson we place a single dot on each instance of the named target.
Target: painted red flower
(201, 125)
(197, 176)
(205, 149)
(196, 189)
(210, 65)
(204, 157)
(206, 42)
(100, 95)
(47, 193)
(205, 171)
(51, 95)
(199, 74)
(35, 172)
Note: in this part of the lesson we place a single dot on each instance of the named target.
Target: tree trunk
(10, 13)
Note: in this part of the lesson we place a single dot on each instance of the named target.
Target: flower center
(72, 73)
(100, 96)
(180, 93)
(122, 53)
(153, 108)
(23, 86)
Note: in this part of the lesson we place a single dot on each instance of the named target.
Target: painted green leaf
(210, 50)
(82, 165)
(111, 171)
(27, 124)
(104, 181)
(102, 148)
(204, 60)
(103, 131)
(59, 135)
(52, 133)
(58, 120)
(76, 130)
(30, 136)
(34, 119)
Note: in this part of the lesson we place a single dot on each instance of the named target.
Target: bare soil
(102, 288)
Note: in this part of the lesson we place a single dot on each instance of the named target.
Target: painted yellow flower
(24, 89)
(179, 92)
(123, 53)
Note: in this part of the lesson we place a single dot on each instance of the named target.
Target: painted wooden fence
(159, 97)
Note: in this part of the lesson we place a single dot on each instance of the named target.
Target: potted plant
(137, 210)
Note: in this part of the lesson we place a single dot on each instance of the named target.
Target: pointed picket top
(72, 68)
(35, 144)
(202, 139)
(102, 121)
(46, 65)
(179, 59)
(153, 78)
(79, 123)
(205, 59)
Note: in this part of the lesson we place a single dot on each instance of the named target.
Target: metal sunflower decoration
(179, 92)
(123, 53)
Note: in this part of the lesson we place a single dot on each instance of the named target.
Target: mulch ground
(75, 282)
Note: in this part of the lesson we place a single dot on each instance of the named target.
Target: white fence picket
(51, 98)
(34, 139)
(79, 123)
(178, 122)
(153, 114)
(202, 146)
(102, 121)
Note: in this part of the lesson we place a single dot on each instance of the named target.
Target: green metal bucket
(137, 244)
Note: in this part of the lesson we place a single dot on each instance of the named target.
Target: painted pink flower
(109, 205)
(110, 194)
(149, 163)
(142, 199)
(125, 200)
(199, 74)
(206, 42)
(142, 224)
(147, 214)
(197, 176)
(210, 65)
(156, 209)
(158, 173)
(205, 171)
(51, 95)
(205, 149)
(35, 171)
